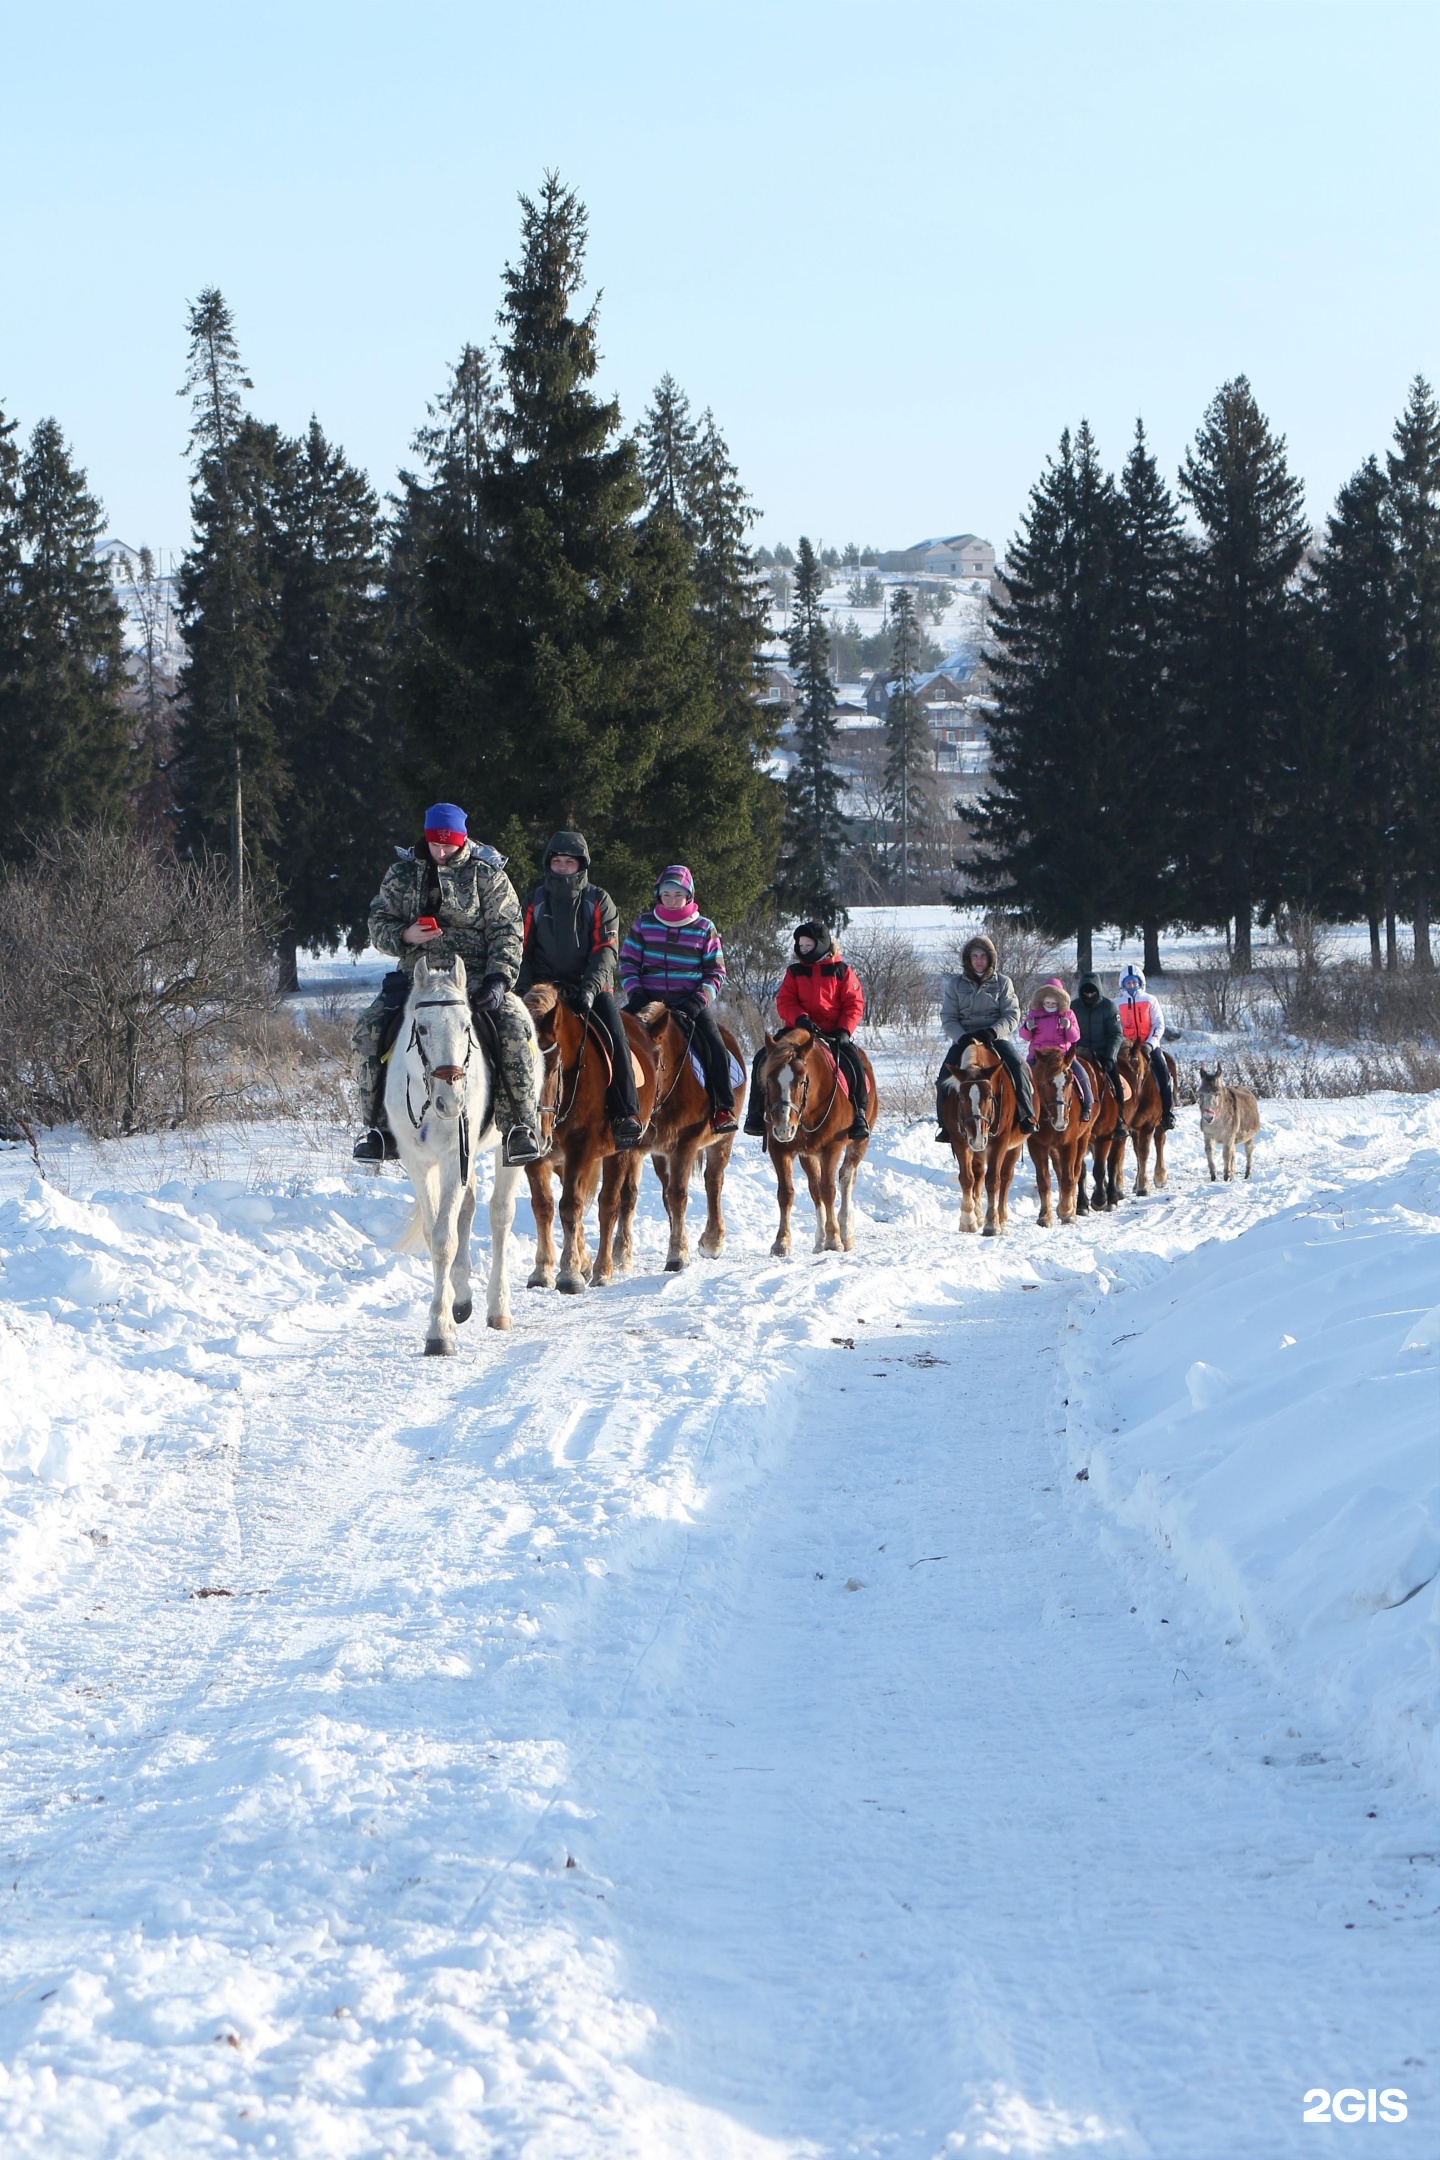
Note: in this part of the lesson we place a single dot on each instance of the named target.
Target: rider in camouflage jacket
(475, 905)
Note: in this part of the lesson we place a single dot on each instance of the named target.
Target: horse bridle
(471, 1045)
(799, 1107)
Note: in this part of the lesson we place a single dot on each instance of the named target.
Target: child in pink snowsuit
(1050, 1024)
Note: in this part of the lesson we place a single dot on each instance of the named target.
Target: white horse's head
(439, 1012)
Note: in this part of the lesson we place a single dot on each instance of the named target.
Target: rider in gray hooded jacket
(980, 1005)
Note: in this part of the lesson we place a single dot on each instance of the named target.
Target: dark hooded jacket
(1099, 1021)
(571, 927)
(974, 1005)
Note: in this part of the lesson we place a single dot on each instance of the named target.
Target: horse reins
(800, 1125)
(471, 1045)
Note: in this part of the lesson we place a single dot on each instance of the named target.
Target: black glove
(637, 1000)
(585, 996)
(691, 1006)
(490, 993)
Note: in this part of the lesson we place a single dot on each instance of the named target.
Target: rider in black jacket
(1100, 1033)
(571, 941)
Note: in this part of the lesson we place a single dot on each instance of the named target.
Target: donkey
(439, 1099)
(1230, 1115)
(574, 1116)
(1062, 1132)
(808, 1114)
(678, 1131)
(978, 1111)
(1146, 1112)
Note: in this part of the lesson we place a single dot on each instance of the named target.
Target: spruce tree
(909, 752)
(1051, 827)
(1414, 516)
(324, 672)
(1243, 633)
(667, 449)
(1355, 605)
(64, 736)
(813, 838)
(1146, 773)
(230, 773)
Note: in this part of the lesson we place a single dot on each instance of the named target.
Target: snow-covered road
(714, 1720)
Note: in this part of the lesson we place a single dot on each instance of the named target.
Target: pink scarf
(673, 915)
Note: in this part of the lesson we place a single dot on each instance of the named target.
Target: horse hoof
(434, 1347)
(779, 1252)
(540, 1279)
(500, 1321)
(462, 1312)
(571, 1285)
(673, 1267)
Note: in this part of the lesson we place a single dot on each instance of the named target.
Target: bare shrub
(1214, 996)
(123, 975)
(1404, 1069)
(757, 952)
(898, 985)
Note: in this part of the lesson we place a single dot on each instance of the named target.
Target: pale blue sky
(897, 250)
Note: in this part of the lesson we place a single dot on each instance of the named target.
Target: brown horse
(575, 1121)
(1108, 1135)
(978, 1111)
(1062, 1131)
(1145, 1115)
(808, 1114)
(678, 1130)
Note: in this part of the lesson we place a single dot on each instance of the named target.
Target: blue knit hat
(446, 821)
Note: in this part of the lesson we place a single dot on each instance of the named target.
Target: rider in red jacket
(821, 987)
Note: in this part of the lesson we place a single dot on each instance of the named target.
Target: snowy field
(954, 1698)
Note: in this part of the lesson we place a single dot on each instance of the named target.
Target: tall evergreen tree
(1414, 509)
(1243, 634)
(667, 449)
(814, 832)
(1051, 828)
(1355, 603)
(230, 771)
(909, 752)
(554, 669)
(1147, 769)
(324, 675)
(64, 735)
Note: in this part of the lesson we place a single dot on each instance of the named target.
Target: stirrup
(859, 1127)
(375, 1145)
(724, 1121)
(625, 1131)
(521, 1146)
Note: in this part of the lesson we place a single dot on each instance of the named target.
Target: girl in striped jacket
(673, 953)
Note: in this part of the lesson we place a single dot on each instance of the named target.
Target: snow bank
(1267, 1409)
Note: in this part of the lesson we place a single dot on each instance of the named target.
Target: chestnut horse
(1062, 1130)
(808, 1114)
(978, 1111)
(1108, 1135)
(679, 1129)
(1145, 1115)
(574, 1119)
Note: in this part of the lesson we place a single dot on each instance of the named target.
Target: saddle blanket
(737, 1070)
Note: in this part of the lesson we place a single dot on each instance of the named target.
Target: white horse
(439, 1098)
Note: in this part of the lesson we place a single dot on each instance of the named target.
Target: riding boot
(755, 1100)
(854, 1073)
(1112, 1074)
(1167, 1092)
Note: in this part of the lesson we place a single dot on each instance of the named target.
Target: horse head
(1053, 1093)
(977, 1105)
(442, 1034)
(787, 1083)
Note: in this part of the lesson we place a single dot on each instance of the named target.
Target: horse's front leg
(572, 1278)
(993, 1161)
(712, 1239)
(821, 1170)
(849, 1164)
(1040, 1156)
(1161, 1173)
(673, 1171)
(784, 1163)
(463, 1304)
(629, 1201)
(969, 1190)
(1142, 1164)
(502, 1214)
(444, 1244)
(542, 1203)
(610, 1198)
(1070, 1179)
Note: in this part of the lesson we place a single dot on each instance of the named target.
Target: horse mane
(542, 998)
(652, 1017)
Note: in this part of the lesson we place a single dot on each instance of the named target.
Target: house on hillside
(962, 555)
